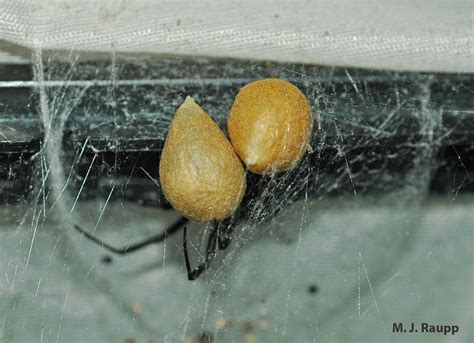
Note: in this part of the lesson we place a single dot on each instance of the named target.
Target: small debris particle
(249, 327)
(137, 309)
(313, 289)
(263, 300)
(189, 339)
(129, 340)
(178, 22)
(263, 324)
(223, 323)
(106, 259)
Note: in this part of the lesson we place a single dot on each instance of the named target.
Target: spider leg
(225, 235)
(139, 245)
(210, 253)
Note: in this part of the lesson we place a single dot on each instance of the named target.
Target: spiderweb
(324, 252)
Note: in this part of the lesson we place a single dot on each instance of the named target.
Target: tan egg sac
(270, 125)
(200, 174)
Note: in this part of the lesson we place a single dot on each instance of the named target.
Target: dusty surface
(346, 274)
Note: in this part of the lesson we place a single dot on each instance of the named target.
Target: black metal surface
(121, 111)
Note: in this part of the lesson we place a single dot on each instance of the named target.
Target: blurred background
(373, 227)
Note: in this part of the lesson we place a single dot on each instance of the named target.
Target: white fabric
(420, 35)
(374, 266)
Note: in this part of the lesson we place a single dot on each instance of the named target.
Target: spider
(220, 237)
(289, 108)
(222, 232)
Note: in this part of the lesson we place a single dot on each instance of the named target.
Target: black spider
(220, 237)
(268, 191)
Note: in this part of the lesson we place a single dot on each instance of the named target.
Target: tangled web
(380, 138)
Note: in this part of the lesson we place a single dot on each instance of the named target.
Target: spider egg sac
(200, 174)
(270, 125)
